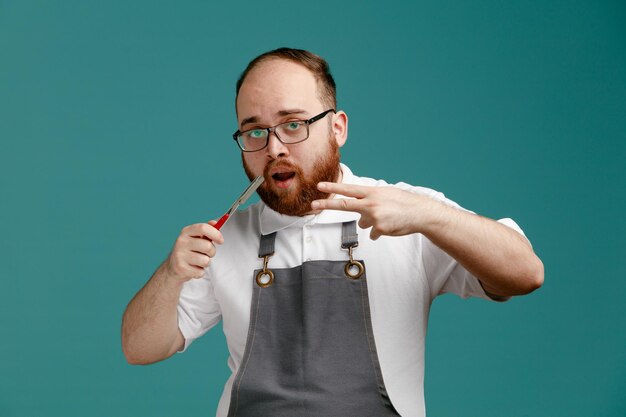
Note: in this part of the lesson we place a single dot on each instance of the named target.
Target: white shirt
(404, 275)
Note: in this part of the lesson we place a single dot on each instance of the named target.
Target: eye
(294, 125)
(256, 134)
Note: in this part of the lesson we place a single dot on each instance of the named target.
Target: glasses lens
(292, 132)
(252, 140)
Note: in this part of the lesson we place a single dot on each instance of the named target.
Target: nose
(275, 148)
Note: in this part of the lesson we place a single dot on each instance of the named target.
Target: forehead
(277, 85)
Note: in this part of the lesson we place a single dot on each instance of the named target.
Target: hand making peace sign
(387, 210)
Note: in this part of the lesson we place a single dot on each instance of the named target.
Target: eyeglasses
(289, 132)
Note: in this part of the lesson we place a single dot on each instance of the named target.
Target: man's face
(279, 91)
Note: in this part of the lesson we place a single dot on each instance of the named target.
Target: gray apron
(310, 348)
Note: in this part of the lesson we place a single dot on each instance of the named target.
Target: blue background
(115, 123)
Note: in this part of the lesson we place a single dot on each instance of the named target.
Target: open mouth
(283, 176)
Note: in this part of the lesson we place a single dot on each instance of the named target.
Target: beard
(296, 201)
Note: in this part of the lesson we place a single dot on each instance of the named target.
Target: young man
(324, 287)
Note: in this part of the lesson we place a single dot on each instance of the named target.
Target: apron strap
(265, 277)
(350, 240)
(349, 237)
(267, 245)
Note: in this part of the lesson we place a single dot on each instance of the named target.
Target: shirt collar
(272, 221)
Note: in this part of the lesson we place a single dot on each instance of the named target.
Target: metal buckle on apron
(354, 269)
(265, 277)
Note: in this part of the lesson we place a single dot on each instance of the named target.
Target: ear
(340, 127)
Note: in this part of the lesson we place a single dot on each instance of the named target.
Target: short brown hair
(326, 87)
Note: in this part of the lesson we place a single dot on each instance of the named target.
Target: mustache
(282, 164)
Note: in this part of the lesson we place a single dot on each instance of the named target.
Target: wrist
(436, 217)
(168, 278)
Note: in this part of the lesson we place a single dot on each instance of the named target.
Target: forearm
(150, 324)
(501, 258)
(498, 256)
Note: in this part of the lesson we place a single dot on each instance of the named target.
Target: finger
(198, 260)
(364, 224)
(342, 204)
(205, 230)
(374, 235)
(202, 246)
(349, 190)
(192, 271)
(212, 223)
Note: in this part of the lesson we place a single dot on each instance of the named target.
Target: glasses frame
(273, 129)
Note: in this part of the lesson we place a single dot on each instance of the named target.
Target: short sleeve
(443, 272)
(446, 275)
(511, 224)
(198, 309)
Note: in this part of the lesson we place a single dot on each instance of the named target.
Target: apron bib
(310, 348)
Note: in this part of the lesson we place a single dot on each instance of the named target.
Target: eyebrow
(280, 113)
